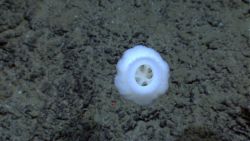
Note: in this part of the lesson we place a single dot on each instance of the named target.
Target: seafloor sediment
(57, 65)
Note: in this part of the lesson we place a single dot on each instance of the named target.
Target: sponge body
(142, 75)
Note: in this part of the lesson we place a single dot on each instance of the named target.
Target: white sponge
(142, 75)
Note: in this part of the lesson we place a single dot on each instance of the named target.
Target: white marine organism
(142, 75)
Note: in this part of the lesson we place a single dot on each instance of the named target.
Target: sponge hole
(144, 75)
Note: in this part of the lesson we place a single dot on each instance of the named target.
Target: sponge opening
(144, 75)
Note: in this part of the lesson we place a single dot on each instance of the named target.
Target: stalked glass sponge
(142, 75)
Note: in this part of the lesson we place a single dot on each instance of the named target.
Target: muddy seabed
(57, 65)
